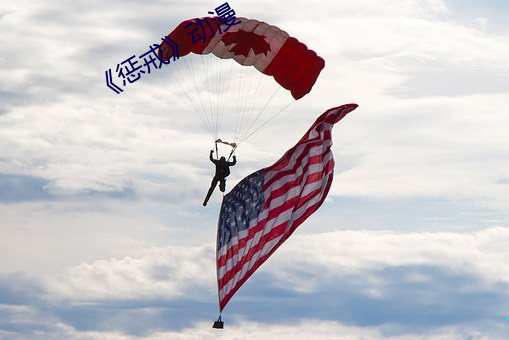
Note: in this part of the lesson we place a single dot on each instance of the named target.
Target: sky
(102, 231)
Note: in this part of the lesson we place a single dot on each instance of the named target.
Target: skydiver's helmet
(222, 159)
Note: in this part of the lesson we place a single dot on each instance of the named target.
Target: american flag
(266, 207)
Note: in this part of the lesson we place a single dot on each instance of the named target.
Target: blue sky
(102, 232)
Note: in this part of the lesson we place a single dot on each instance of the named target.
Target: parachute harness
(233, 145)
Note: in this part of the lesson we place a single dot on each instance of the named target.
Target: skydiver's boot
(209, 193)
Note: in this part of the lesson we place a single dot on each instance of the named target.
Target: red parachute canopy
(254, 43)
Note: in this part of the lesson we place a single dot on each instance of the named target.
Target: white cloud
(317, 329)
(306, 263)
(439, 274)
(44, 237)
(400, 146)
(444, 147)
(162, 273)
(307, 329)
(339, 253)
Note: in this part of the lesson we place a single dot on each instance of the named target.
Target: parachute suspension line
(260, 112)
(217, 152)
(250, 85)
(227, 83)
(248, 132)
(250, 117)
(233, 151)
(268, 121)
(205, 114)
(214, 90)
(262, 80)
(244, 114)
(239, 96)
(222, 82)
(212, 70)
(212, 93)
(191, 96)
(195, 108)
(210, 114)
(246, 110)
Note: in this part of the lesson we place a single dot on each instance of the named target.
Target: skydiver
(222, 171)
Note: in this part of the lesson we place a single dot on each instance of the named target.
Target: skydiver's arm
(234, 161)
(210, 156)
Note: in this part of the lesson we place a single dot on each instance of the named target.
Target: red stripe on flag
(277, 171)
(274, 233)
(222, 283)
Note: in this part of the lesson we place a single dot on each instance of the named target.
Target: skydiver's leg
(211, 190)
(222, 184)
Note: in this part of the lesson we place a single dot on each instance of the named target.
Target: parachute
(232, 77)
(240, 100)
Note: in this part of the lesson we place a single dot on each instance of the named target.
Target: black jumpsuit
(222, 171)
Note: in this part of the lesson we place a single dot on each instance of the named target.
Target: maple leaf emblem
(246, 41)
